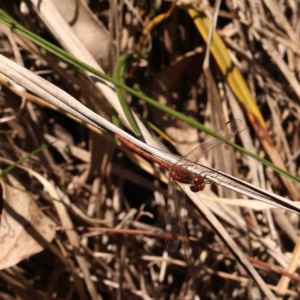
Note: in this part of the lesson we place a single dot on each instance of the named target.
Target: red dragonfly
(180, 172)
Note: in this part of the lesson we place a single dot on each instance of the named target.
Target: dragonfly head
(197, 184)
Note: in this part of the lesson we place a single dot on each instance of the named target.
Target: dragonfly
(180, 172)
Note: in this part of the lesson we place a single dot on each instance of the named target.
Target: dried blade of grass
(64, 101)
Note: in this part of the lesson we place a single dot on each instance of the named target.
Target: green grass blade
(11, 167)
(118, 75)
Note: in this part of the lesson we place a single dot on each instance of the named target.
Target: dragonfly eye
(195, 188)
(198, 184)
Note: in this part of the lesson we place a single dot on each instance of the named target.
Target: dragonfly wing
(174, 224)
(211, 143)
(181, 198)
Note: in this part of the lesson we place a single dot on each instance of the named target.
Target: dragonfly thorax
(183, 175)
(197, 184)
